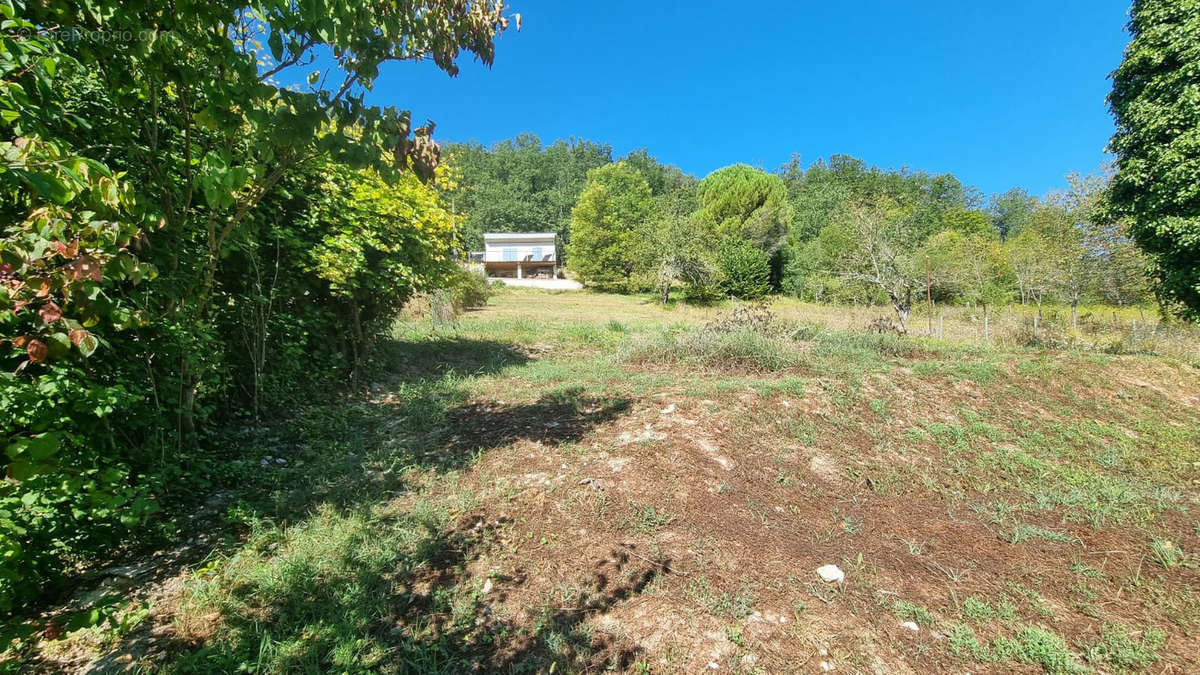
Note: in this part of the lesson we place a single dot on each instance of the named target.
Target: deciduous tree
(608, 226)
(1156, 102)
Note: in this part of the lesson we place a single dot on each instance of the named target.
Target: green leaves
(607, 227)
(744, 202)
(1156, 104)
(33, 449)
(275, 42)
(28, 457)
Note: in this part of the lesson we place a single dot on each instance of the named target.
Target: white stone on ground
(831, 573)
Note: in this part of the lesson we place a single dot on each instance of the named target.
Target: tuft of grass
(645, 519)
(912, 612)
(980, 372)
(1167, 553)
(978, 609)
(879, 407)
(1030, 644)
(1119, 650)
(739, 349)
(723, 605)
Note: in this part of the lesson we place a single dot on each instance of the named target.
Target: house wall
(495, 251)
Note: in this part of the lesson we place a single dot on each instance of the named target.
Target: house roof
(517, 236)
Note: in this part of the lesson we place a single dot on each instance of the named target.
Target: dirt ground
(991, 510)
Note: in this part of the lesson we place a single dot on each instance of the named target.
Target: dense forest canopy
(520, 185)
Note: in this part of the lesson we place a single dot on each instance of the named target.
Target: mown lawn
(578, 482)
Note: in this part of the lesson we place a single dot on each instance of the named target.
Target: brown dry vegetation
(563, 481)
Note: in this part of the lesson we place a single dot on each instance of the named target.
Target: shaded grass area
(1033, 507)
(353, 542)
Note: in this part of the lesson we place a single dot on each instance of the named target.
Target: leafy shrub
(69, 493)
(744, 270)
(469, 289)
(702, 293)
(748, 338)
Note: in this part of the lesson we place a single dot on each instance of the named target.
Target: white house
(519, 254)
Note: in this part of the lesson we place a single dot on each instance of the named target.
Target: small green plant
(1046, 649)
(1006, 609)
(879, 407)
(978, 609)
(912, 612)
(645, 519)
(1120, 650)
(723, 605)
(1167, 553)
(1083, 569)
(850, 525)
(1030, 645)
(966, 645)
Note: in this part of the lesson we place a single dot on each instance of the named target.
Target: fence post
(941, 326)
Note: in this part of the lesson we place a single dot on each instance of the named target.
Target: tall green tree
(1011, 210)
(973, 262)
(742, 202)
(608, 225)
(664, 179)
(675, 253)
(1156, 102)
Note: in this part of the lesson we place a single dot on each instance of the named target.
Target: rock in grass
(831, 573)
(911, 625)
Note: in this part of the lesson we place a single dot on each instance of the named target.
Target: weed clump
(747, 338)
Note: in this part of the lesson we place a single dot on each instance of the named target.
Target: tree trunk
(902, 313)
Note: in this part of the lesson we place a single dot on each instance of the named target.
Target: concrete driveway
(551, 284)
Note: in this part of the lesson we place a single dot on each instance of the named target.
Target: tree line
(837, 230)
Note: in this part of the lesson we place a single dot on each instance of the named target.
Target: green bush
(749, 338)
(743, 269)
(469, 289)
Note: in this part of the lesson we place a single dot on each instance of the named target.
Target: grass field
(572, 482)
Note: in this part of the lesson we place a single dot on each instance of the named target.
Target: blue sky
(1001, 94)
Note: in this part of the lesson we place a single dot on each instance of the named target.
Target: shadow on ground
(434, 358)
(332, 584)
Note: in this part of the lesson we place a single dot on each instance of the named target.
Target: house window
(509, 255)
(537, 252)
